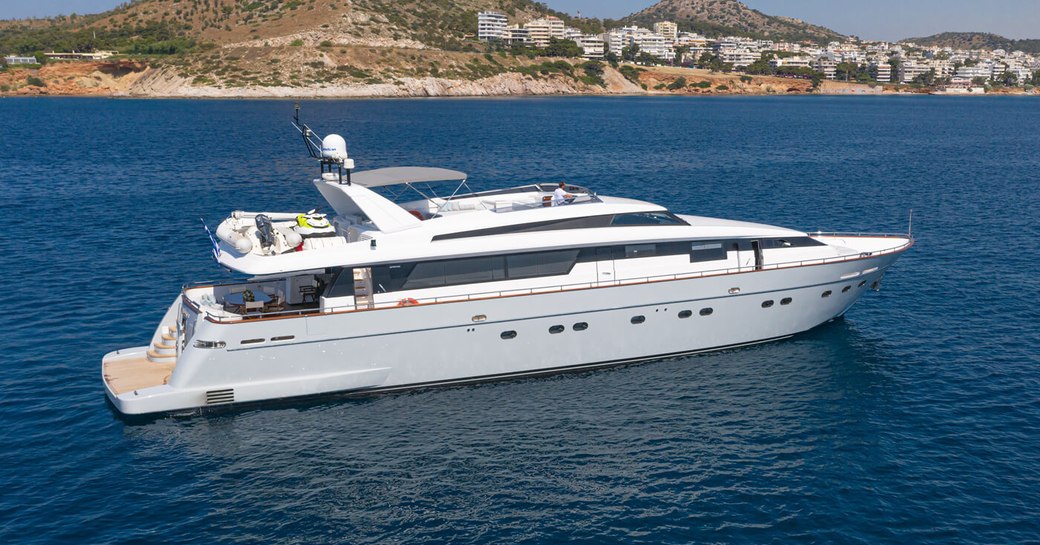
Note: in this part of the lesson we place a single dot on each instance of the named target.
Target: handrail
(563, 287)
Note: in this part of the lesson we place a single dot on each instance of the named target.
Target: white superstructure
(389, 291)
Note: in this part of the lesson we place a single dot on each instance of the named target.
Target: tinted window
(508, 335)
(342, 284)
(581, 326)
(638, 319)
(640, 250)
(767, 304)
(391, 277)
(706, 311)
(647, 218)
(785, 301)
(707, 251)
(540, 264)
(685, 313)
(556, 329)
(826, 294)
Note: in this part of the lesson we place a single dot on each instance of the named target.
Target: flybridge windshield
(588, 222)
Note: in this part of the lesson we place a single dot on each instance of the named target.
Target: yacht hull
(496, 338)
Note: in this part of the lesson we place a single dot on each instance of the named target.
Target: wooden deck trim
(134, 374)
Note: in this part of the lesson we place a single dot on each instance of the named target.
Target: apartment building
(491, 26)
(541, 30)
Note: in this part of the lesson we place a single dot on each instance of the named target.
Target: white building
(791, 62)
(491, 26)
(592, 45)
(739, 57)
(541, 30)
(14, 59)
(827, 65)
(884, 72)
(978, 71)
(909, 69)
(516, 34)
(667, 29)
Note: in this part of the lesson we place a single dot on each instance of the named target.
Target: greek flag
(212, 239)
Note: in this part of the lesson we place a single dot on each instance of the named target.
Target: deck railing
(560, 287)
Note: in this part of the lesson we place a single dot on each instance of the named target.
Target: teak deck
(134, 374)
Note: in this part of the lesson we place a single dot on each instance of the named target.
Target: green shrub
(677, 84)
(745, 79)
(703, 84)
(722, 88)
(296, 43)
(324, 43)
(35, 81)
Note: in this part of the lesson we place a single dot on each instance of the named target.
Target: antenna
(330, 151)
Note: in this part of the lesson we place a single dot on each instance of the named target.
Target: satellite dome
(334, 147)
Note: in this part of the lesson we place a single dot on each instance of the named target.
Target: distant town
(860, 61)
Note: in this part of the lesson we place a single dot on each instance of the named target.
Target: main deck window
(472, 270)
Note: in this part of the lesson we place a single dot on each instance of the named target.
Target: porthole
(638, 319)
(580, 326)
(685, 313)
(252, 341)
(506, 335)
(846, 289)
(826, 294)
(283, 338)
(861, 283)
(707, 311)
(767, 304)
(786, 301)
(556, 329)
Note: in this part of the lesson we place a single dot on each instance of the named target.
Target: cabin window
(706, 251)
(638, 319)
(846, 289)
(580, 326)
(556, 329)
(506, 335)
(767, 304)
(826, 294)
(861, 283)
(342, 284)
(685, 313)
(640, 250)
(540, 264)
(707, 311)
(786, 301)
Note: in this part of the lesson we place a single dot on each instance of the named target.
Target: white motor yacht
(400, 288)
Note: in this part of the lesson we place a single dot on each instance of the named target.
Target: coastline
(133, 79)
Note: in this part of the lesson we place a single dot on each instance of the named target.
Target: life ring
(407, 302)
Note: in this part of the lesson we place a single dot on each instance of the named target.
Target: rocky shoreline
(136, 79)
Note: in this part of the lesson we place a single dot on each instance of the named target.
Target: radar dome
(334, 147)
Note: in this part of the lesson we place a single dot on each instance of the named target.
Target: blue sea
(916, 419)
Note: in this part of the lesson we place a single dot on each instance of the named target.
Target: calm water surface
(914, 420)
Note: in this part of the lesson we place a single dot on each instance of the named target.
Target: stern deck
(126, 375)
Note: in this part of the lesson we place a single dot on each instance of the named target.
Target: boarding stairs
(164, 348)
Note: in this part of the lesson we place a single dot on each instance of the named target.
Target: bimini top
(404, 175)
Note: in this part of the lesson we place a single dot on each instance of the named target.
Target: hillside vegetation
(730, 17)
(977, 40)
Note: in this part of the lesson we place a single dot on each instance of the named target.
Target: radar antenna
(331, 151)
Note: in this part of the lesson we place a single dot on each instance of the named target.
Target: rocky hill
(977, 40)
(731, 17)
